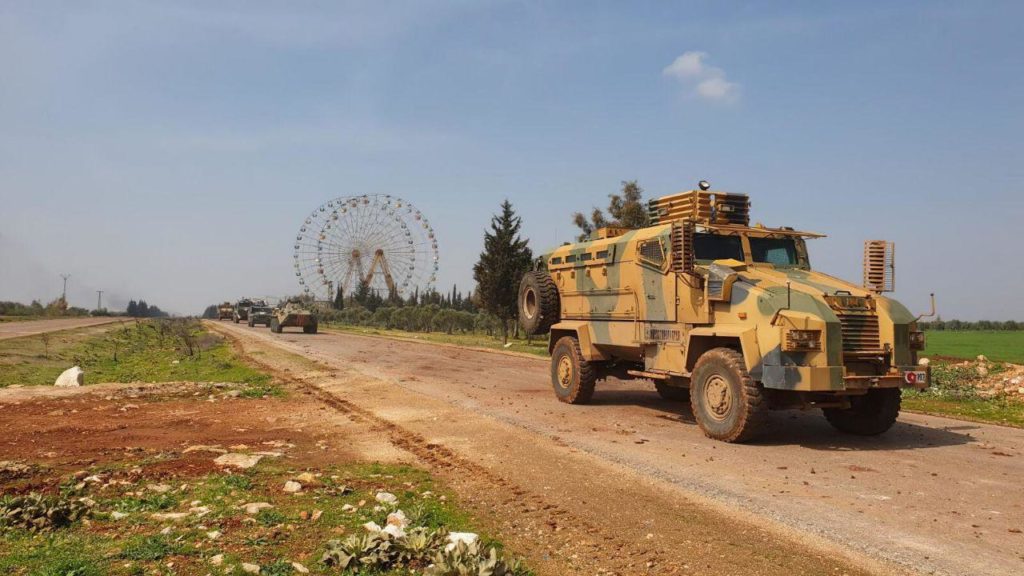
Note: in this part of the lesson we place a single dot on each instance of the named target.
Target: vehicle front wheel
(572, 377)
(868, 415)
(727, 403)
(275, 326)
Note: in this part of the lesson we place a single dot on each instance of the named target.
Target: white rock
(465, 537)
(169, 515)
(213, 535)
(348, 508)
(394, 531)
(250, 568)
(397, 518)
(217, 560)
(159, 488)
(204, 448)
(387, 498)
(300, 568)
(1016, 381)
(292, 486)
(255, 507)
(238, 460)
(199, 511)
(117, 515)
(924, 362)
(70, 378)
(371, 527)
(982, 370)
(982, 358)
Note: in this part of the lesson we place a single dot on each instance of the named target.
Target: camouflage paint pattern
(620, 296)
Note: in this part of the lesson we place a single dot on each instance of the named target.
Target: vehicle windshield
(716, 247)
(778, 251)
(261, 309)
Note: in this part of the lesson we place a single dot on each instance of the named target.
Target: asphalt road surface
(33, 327)
(933, 495)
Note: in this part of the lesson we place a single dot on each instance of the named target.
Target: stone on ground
(70, 378)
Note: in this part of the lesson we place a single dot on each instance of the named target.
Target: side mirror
(682, 247)
(879, 266)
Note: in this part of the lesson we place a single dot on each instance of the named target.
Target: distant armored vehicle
(225, 311)
(260, 314)
(727, 316)
(293, 313)
(242, 310)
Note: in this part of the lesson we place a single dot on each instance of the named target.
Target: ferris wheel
(377, 239)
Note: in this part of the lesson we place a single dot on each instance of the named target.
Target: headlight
(916, 340)
(799, 340)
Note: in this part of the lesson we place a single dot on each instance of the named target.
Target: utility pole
(64, 294)
(99, 299)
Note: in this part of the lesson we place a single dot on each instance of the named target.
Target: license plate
(915, 377)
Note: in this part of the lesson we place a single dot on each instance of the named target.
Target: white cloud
(688, 65)
(701, 80)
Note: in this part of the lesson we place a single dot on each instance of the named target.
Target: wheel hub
(565, 372)
(717, 396)
(530, 304)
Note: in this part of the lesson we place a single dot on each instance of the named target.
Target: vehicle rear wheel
(310, 329)
(572, 377)
(538, 302)
(275, 326)
(727, 403)
(673, 393)
(236, 320)
(868, 415)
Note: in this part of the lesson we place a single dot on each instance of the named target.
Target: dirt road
(33, 327)
(934, 495)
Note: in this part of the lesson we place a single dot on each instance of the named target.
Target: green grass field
(1001, 346)
(153, 351)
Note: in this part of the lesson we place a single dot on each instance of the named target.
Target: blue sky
(169, 151)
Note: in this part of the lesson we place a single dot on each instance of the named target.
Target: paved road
(934, 495)
(33, 327)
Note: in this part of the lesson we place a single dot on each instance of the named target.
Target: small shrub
(271, 517)
(148, 548)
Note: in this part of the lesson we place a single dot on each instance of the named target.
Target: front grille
(860, 333)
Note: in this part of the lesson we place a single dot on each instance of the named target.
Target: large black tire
(251, 323)
(236, 319)
(275, 326)
(538, 303)
(673, 393)
(310, 329)
(727, 403)
(868, 415)
(572, 377)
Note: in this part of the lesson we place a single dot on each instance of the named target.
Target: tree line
(939, 325)
(57, 307)
(142, 310)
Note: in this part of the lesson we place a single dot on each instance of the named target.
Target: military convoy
(225, 311)
(727, 316)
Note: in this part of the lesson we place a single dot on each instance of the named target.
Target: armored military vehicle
(727, 316)
(225, 311)
(241, 312)
(293, 313)
(260, 313)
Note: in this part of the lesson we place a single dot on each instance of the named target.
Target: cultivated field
(1004, 346)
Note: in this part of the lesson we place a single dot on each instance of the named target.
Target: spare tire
(538, 302)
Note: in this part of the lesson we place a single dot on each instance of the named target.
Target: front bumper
(835, 379)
